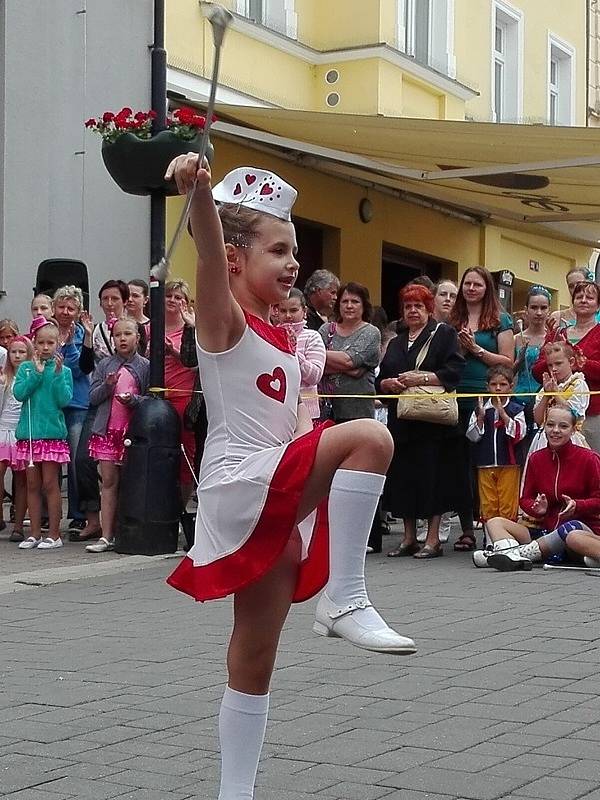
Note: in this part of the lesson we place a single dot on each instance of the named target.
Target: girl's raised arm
(219, 319)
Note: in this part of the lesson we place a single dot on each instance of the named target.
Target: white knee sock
(242, 725)
(353, 499)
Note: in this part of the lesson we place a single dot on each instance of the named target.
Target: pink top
(119, 412)
(311, 354)
(176, 375)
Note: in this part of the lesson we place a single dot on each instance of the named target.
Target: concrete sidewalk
(111, 684)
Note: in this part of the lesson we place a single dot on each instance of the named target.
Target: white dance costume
(253, 473)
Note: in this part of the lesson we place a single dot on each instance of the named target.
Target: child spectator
(19, 350)
(117, 384)
(8, 330)
(41, 306)
(495, 428)
(561, 361)
(45, 387)
(310, 349)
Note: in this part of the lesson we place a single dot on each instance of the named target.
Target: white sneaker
(507, 557)
(50, 544)
(480, 557)
(101, 546)
(354, 623)
(29, 543)
(593, 563)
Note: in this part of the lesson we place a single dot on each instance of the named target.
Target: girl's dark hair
(240, 225)
(491, 308)
(297, 294)
(360, 291)
(140, 284)
(118, 284)
(379, 318)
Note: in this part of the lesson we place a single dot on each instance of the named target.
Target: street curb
(19, 581)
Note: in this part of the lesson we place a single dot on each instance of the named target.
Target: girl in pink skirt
(19, 350)
(118, 382)
(44, 386)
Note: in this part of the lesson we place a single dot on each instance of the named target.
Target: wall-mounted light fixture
(365, 210)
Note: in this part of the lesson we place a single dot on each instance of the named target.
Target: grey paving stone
(466, 785)
(557, 788)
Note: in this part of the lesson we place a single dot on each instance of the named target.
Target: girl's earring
(233, 268)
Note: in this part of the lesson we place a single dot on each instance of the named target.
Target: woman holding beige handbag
(422, 481)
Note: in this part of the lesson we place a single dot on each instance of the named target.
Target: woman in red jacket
(561, 498)
(585, 333)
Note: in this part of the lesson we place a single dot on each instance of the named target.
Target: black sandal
(465, 543)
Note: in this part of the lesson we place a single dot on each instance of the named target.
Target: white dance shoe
(361, 625)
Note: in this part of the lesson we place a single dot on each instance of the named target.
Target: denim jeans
(87, 470)
(74, 418)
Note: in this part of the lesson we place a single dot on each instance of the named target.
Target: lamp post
(158, 201)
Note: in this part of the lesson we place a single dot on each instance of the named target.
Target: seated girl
(561, 498)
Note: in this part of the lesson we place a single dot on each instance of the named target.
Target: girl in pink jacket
(310, 349)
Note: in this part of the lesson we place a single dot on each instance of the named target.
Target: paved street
(111, 682)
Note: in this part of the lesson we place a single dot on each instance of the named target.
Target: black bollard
(149, 496)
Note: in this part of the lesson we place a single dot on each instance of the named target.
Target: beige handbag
(429, 406)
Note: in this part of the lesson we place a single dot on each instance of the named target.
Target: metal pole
(158, 201)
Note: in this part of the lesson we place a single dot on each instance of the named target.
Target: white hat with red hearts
(257, 189)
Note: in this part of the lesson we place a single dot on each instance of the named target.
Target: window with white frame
(425, 31)
(561, 58)
(280, 15)
(507, 63)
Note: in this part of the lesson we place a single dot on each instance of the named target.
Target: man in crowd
(320, 291)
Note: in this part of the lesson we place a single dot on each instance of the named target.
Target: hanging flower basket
(136, 160)
(138, 166)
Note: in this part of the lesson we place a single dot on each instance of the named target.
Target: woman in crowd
(561, 497)
(528, 345)
(68, 305)
(179, 377)
(353, 351)
(565, 317)
(137, 305)
(41, 306)
(445, 294)
(113, 296)
(422, 481)
(486, 338)
(585, 333)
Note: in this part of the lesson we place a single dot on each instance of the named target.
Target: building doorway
(400, 266)
(310, 249)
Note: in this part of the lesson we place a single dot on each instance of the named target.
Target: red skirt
(276, 523)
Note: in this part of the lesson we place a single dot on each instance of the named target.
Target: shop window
(561, 57)
(425, 31)
(280, 15)
(507, 63)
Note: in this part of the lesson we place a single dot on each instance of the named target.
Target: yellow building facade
(482, 60)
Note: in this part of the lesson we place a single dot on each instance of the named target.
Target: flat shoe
(29, 543)
(49, 543)
(404, 550)
(427, 551)
(16, 536)
(102, 546)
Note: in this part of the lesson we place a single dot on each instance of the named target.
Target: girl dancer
(117, 384)
(265, 470)
(19, 350)
(45, 387)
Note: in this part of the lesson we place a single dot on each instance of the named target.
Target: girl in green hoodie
(44, 386)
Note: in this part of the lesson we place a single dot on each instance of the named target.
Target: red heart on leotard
(266, 189)
(274, 385)
(249, 179)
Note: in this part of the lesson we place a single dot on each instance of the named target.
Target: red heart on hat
(266, 189)
(250, 179)
(238, 189)
(273, 385)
